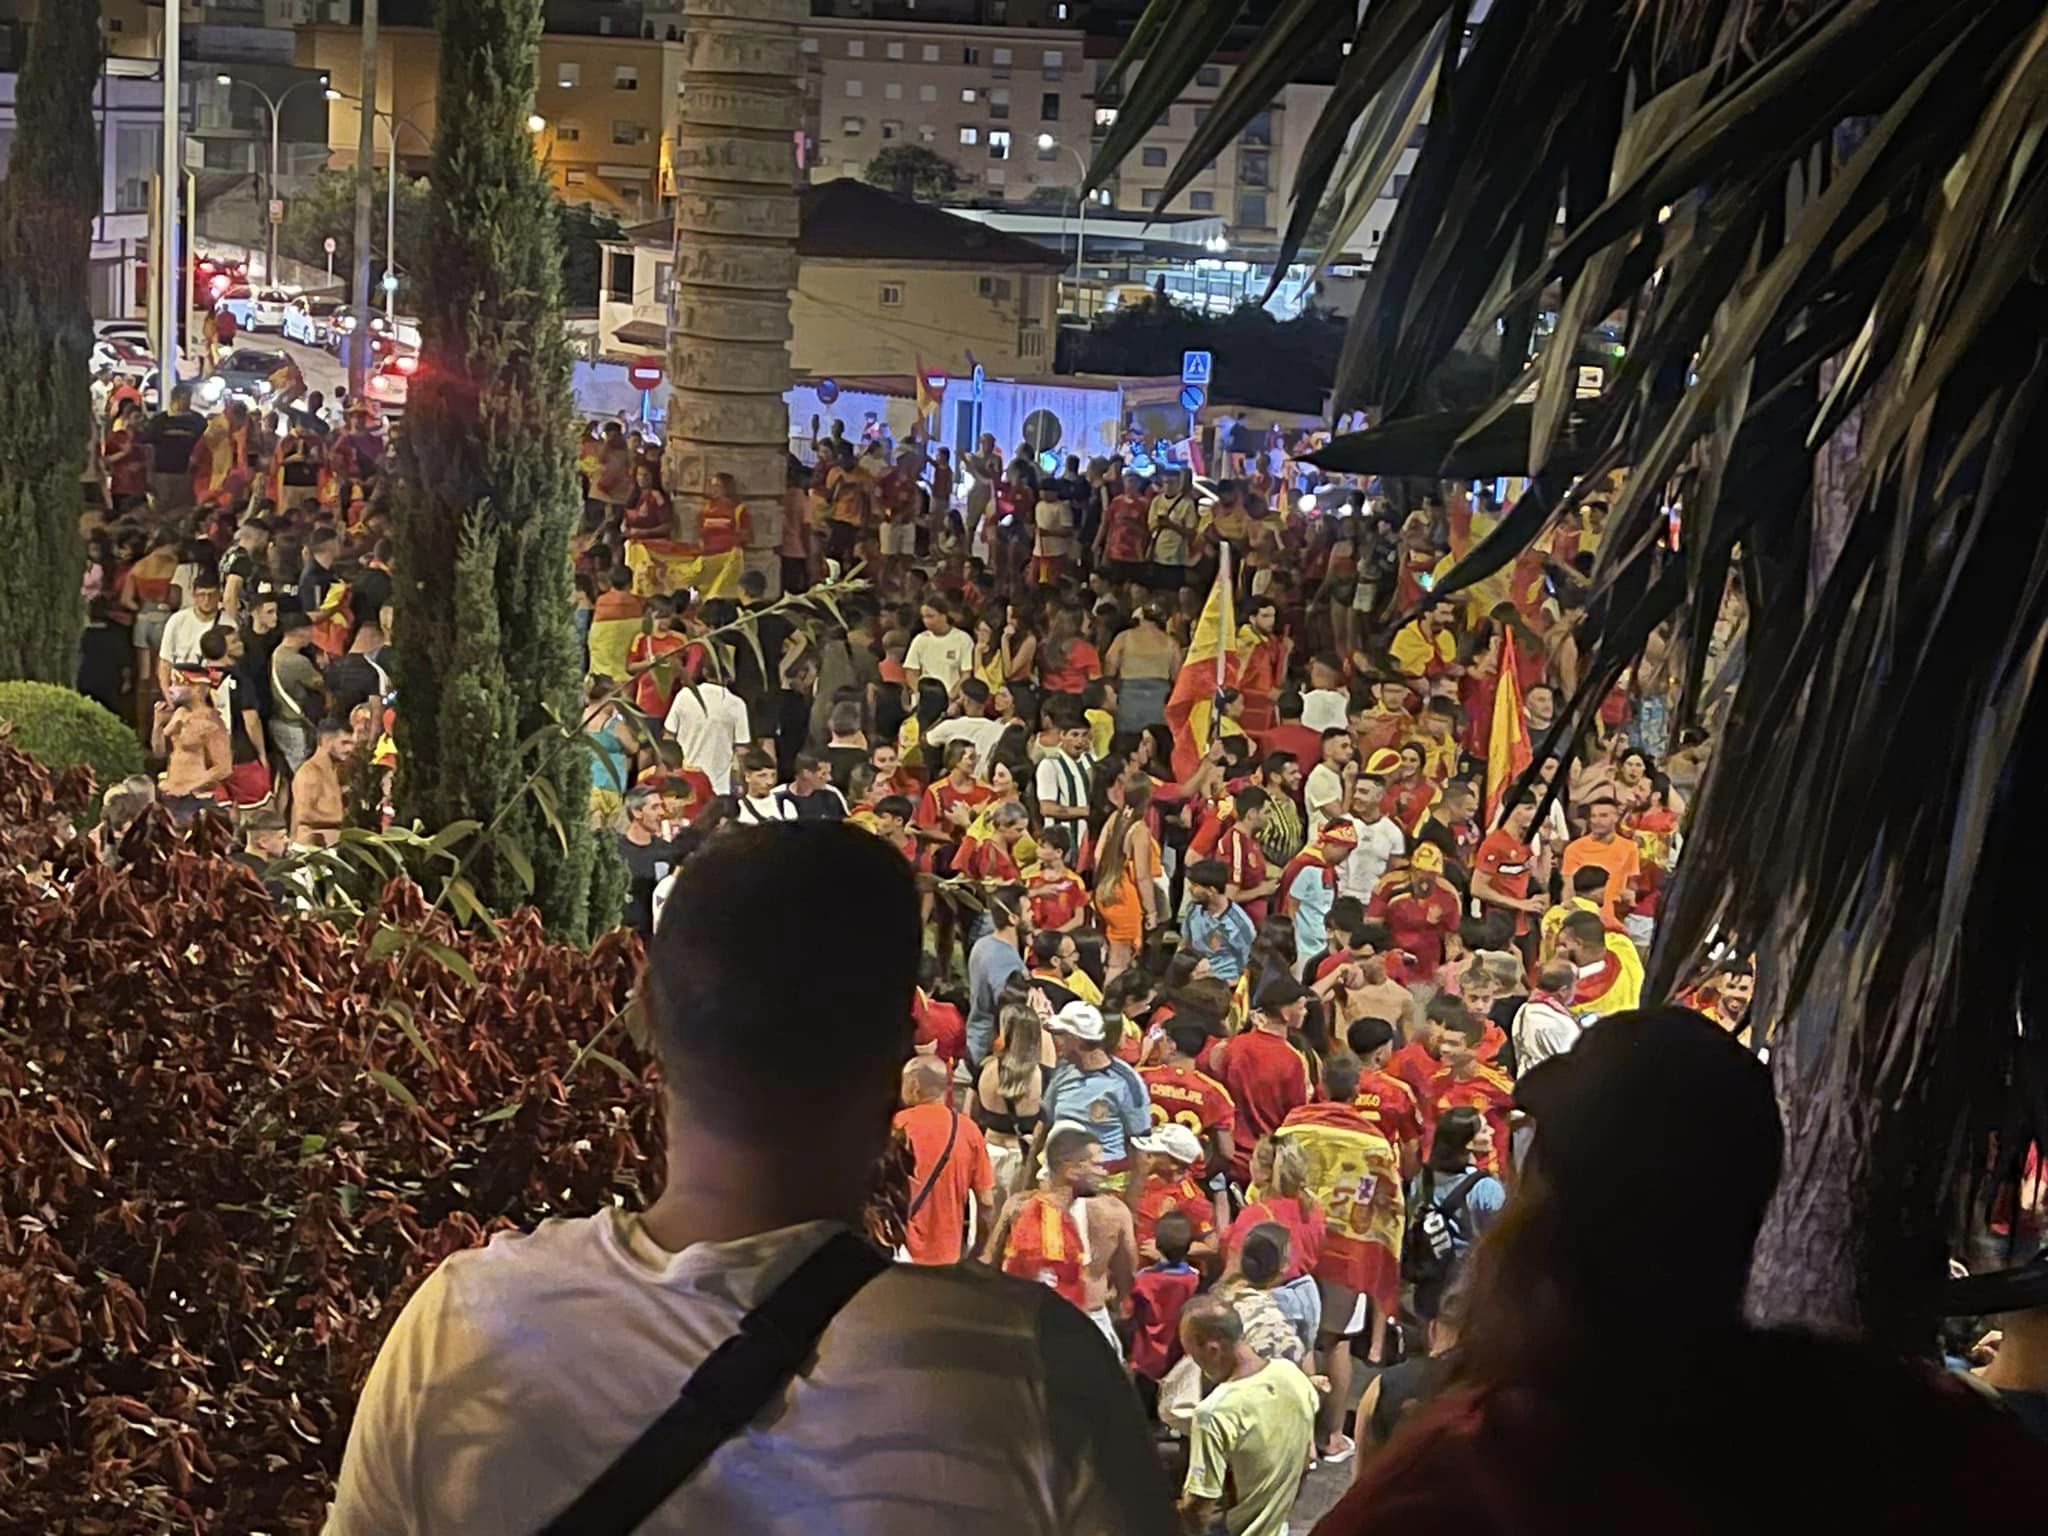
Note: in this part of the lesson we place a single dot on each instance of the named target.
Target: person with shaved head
(952, 1165)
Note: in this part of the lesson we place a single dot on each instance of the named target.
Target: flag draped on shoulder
(1507, 751)
(1210, 667)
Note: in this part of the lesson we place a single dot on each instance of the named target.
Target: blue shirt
(990, 965)
(1482, 1203)
(1226, 941)
(1313, 898)
(1110, 1100)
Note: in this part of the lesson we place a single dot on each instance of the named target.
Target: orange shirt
(1044, 1244)
(936, 1234)
(1162, 1194)
(1620, 858)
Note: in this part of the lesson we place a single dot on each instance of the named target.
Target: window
(927, 134)
(664, 279)
(970, 135)
(997, 288)
(999, 103)
(137, 148)
(856, 48)
(1253, 167)
(891, 131)
(891, 295)
(999, 143)
(1031, 343)
(619, 278)
(995, 175)
(628, 133)
(1148, 197)
(930, 53)
(1260, 129)
(1154, 155)
(568, 131)
(970, 55)
(893, 50)
(1398, 185)
(574, 178)
(1105, 117)
(1202, 202)
(967, 94)
(568, 76)
(631, 196)
(999, 61)
(892, 90)
(810, 45)
(855, 88)
(625, 77)
(927, 93)
(1054, 62)
(1251, 209)
(1049, 107)
(1209, 75)
(1201, 116)
(853, 127)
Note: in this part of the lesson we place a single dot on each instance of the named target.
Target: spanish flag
(1210, 667)
(664, 565)
(1507, 752)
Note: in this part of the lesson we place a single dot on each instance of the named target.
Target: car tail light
(407, 365)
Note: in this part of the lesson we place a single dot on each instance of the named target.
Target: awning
(644, 334)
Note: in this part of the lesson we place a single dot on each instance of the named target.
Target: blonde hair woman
(1008, 1092)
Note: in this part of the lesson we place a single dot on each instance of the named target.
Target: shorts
(293, 740)
(1050, 569)
(1345, 1311)
(149, 629)
(248, 784)
(1126, 572)
(899, 538)
(1165, 578)
(171, 492)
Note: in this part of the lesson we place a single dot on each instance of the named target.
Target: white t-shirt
(941, 1401)
(1063, 780)
(982, 732)
(1325, 784)
(707, 725)
(753, 810)
(1325, 709)
(948, 657)
(1378, 844)
(180, 644)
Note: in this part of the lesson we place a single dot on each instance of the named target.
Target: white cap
(1174, 1141)
(1081, 1020)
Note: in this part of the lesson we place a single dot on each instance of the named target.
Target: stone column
(735, 260)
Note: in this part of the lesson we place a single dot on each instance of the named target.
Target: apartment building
(607, 104)
(1007, 105)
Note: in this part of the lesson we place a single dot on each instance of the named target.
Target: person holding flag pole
(1505, 865)
(1194, 710)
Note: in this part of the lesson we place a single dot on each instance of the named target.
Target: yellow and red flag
(1210, 667)
(1507, 751)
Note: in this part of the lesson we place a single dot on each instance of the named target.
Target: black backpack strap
(722, 1396)
(1454, 1202)
(945, 1157)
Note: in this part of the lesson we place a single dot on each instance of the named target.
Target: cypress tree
(47, 205)
(489, 667)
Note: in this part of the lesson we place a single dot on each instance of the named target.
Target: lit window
(891, 295)
(625, 78)
(927, 134)
(853, 127)
(999, 143)
(568, 76)
(568, 131)
(970, 135)
(1105, 117)
(967, 94)
(810, 45)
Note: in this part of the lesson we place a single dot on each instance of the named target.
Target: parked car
(310, 321)
(125, 356)
(133, 332)
(261, 378)
(390, 384)
(256, 309)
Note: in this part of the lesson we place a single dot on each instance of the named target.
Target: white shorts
(899, 538)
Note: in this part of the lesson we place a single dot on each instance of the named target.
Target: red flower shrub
(232, 1143)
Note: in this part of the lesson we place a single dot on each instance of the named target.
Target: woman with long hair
(1068, 662)
(932, 703)
(1460, 1144)
(1127, 875)
(1008, 1091)
(1143, 660)
(1279, 1192)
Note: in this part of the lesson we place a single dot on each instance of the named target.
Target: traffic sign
(1194, 368)
(644, 372)
(978, 378)
(1192, 398)
(828, 391)
(277, 210)
(327, 245)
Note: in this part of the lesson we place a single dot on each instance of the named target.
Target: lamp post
(1047, 141)
(393, 121)
(275, 105)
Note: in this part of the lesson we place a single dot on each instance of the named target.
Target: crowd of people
(1236, 955)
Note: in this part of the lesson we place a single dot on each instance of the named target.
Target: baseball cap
(1174, 1141)
(1382, 762)
(1427, 857)
(1081, 1020)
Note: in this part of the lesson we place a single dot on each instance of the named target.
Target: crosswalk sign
(1194, 368)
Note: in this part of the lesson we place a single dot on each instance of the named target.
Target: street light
(536, 124)
(393, 121)
(1047, 141)
(275, 104)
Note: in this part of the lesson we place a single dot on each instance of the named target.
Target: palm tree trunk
(736, 229)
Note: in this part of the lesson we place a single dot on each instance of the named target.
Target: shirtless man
(191, 735)
(1378, 995)
(319, 805)
(1112, 1261)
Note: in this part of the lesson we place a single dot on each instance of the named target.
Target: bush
(61, 729)
(233, 1141)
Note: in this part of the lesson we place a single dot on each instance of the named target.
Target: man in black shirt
(319, 574)
(369, 588)
(169, 438)
(649, 856)
(810, 792)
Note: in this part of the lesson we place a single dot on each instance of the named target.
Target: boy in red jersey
(1158, 1293)
(1417, 1062)
(1173, 1157)
(1466, 1081)
(1266, 1076)
(1059, 897)
(1382, 1097)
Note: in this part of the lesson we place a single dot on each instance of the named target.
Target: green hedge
(58, 728)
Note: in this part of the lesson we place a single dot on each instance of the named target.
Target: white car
(309, 321)
(256, 309)
(134, 333)
(391, 383)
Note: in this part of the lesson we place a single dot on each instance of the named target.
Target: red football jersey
(1056, 911)
(1157, 1295)
(1184, 1095)
(1390, 1105)
(1266, 1077)
(1246, 861)
(1418, 923)
(1505, 860)
(1487, 1091)
(1414, 1065)
(1183, 1194)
